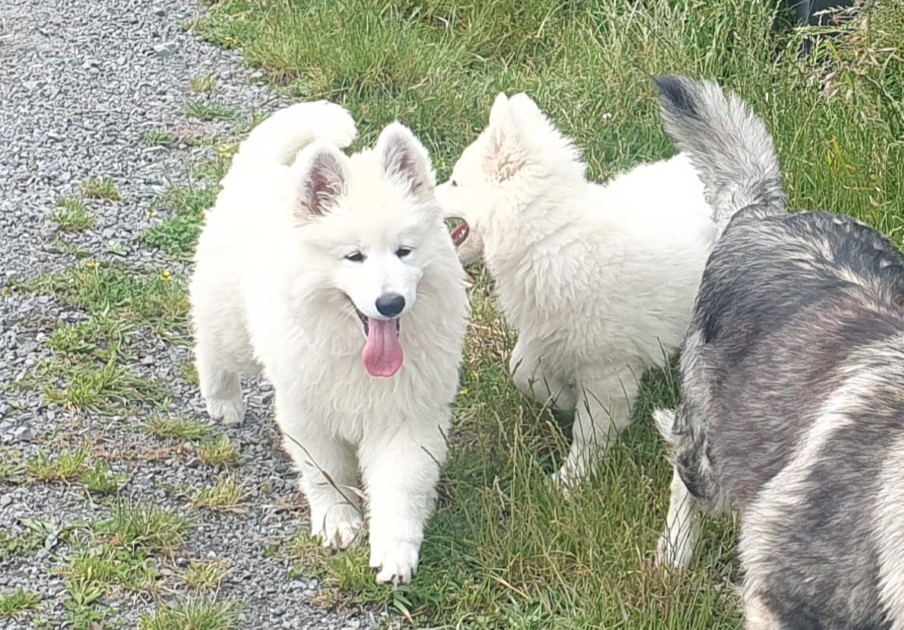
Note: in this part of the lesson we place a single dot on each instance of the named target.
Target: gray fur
(727, 144)
(793, 385)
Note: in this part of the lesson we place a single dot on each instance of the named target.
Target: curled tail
(727, 143)
(279, 138)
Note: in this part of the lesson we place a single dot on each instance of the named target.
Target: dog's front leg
(328, 475)
(220, 385)
(400, 470)
(682, 527)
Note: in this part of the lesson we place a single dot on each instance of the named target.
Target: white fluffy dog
(598, 280)
(320, 268)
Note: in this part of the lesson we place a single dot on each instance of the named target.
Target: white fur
(598, 280)
(682, 529)
(682, 525)
(273, 290)
(890, 535)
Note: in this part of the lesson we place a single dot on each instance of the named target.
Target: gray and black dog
(793, 387)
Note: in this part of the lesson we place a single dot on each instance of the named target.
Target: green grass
(203, 84)
(144, 527)
(12, 466)
(205, 576)
(116, 248)
(118, 555)
(220, 452)
(60, 246)
(505, 550)
(66, 465)
(207, 111)
(192, 614)
(93, 338)
(92, 363)
(158, 138)
(97, 385)
(101, 188)
(185, 205)
(437, 65)
(17, 545)
(92, 570)
(15, 603)
(178, 428)
(189, 373)
(95, 569)
(36, 534)
(150, 297)
(72, 215)
(198, 139)
(100, 479)
(224, 496)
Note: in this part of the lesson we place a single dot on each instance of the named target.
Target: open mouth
(365, 321)
(382, 354)
(460, 232)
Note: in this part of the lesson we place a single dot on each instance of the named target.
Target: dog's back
(802, 364)
(793, 409)
(823, 540)
(783, 301)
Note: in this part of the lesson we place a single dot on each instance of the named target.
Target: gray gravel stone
(81, 82)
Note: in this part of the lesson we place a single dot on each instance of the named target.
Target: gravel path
(81, 83)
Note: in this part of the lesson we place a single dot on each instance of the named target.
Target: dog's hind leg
(682, 527)
(221, 386)
(527, 372)
(602, 411)
(757, 615)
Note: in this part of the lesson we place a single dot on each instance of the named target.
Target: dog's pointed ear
(405, 160)
(503, 152)
(665, 423)
(523, 105)
(500, 110)
(323, 178)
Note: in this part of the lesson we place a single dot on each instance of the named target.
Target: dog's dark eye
(355, 257)
(453, 183)
(403, 251)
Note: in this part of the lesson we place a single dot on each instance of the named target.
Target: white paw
(395, 561)
(562, 485)
(566, 480)
(230, 411)
(338, 527)
(335, 125)
(675, 554)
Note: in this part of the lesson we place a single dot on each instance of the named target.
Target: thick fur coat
(792, 373)
(336, 277)
(598, 280)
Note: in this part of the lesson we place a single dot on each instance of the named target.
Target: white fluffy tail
(280, 137)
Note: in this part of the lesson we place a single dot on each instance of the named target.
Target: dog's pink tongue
(382, 354)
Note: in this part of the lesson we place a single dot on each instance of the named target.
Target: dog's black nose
(390, 304)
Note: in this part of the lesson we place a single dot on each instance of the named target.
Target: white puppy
(320, 269)
(598, 280)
